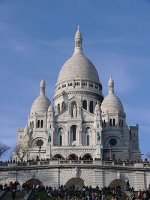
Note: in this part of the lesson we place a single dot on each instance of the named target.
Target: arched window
(74, 133)
(91, 106)
(58, 108)
(110, 122)
(60, 136)
(88, 141)
(114, 124)
(38, 124)
(85, 104)
(122, 123)
(69, 84)
(60, 140)
(88, 130)
(63, 105)
(41, 123)
(104, 123)
(119, 122)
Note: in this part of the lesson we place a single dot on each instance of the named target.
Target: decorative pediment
(74, 99)
(87, 116)
(62, 116)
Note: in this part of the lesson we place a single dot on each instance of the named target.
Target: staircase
(19, 195)
(128, 194)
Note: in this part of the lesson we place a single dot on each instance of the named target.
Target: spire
(78, 41)
(111, 85)
(42, 87)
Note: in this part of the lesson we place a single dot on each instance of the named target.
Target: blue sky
(36, 38)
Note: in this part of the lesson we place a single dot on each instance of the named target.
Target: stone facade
(81, 137)
(79, 173)
(80, 123)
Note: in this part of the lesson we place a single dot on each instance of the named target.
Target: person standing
(13, 194)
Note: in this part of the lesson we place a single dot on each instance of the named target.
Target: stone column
(88, 105)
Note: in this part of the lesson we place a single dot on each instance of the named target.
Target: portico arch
(58, 156)
(34, 182)
(73, 157)
(77, 182)
(87, 156)
(118, 183)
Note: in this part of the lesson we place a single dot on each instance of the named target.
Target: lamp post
(110, 153)
(50, 152)
(101, 152)
(49, 142)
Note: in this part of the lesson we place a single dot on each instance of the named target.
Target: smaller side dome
(41, 103)
(111, 102)
(51, 109)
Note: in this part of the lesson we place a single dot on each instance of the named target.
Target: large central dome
(78, 66)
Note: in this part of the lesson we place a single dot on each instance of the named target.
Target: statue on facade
(74, 111)
(49, 138)
(98, 136)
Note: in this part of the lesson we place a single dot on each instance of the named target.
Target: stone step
(19, 195)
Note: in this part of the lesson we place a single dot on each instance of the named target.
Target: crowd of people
(15, 187)
(78, 193)
(89, 193)
(75, 193)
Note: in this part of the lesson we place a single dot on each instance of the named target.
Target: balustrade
(75, 162)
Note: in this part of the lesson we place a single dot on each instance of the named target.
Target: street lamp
(49, 142)
(110, 153)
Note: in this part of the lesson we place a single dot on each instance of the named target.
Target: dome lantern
(42, 87)
(111, 85)
(78, 41)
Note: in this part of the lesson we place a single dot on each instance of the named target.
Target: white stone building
(80, 123)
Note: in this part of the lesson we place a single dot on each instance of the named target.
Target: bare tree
(21, 151)
(3, 149)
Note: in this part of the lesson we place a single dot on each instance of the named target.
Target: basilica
(80, 123)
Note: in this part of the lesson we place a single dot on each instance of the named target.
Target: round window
(113, 141)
